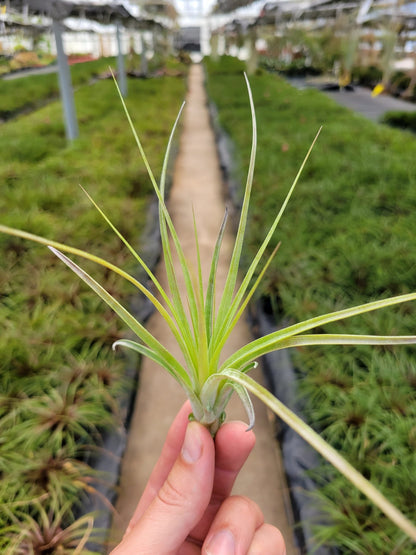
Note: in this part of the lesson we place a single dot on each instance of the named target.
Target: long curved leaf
(156, 357)
(228, 319)
(132, 323)
(269, 343)
(238, 244)
(345, 339)
(165, 220)
(328, 452)
(210, 295)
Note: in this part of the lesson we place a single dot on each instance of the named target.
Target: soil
(197, 186)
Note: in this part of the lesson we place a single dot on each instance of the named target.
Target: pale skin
(187, 507)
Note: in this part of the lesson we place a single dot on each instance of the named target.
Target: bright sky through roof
(190, 7)
(184, 7)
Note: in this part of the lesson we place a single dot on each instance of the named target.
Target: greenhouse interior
(230, 366)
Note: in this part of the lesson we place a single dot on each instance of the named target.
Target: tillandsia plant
(201, 328)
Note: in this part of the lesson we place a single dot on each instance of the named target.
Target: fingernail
(222, 543)
(192, 445)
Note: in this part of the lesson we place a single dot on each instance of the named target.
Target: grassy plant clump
(346, 238)
(403, 120)
(59, 380)
(226, 65)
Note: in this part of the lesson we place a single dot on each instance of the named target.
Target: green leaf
(238, 244)
(345, 339)
(248, 405)
(328, 452)
(227, 331)
(233, 315)
(182, 378)
(165, 222)
(132, 323)
(84, 254)
(272, 341)
(210, 295)
(130, 248)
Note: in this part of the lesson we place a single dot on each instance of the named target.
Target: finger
(233, 445)
(180, 502)
(267, 540)
(234, 526)
(168, 456)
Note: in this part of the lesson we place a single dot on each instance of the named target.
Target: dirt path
(197, 183)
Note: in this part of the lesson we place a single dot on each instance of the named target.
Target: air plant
(62, 476)
(47, 532)
(201, 328)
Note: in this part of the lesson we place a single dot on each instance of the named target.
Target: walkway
(358, 100)
(31, 71)
(197, 183)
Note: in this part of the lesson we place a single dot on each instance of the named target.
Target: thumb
(181, 501)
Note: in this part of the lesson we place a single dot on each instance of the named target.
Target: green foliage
(367, 76)
(29, 92)
(346, 237)
(59, 380)
(295, 68)
(403, 120)
(227, 65)
(300, 52)
(399, 83)
(39, 531)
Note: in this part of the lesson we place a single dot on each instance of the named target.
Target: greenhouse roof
(310, 10)
(376, 11)
(97, 10)
(299, 8)
(316, 13)
(102, 11)
(226, 6)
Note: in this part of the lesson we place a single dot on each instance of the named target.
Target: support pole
(143, 55)
(121, 70)
(65, 86)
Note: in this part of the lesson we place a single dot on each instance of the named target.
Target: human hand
(186, 507)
